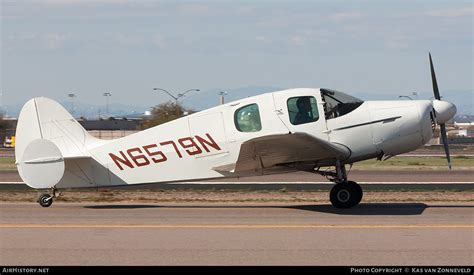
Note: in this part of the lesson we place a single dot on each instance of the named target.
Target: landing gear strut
(345, 194)
(45, 200)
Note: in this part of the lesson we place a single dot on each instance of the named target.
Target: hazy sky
(88, 47)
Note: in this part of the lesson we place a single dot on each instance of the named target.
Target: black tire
(360, 193)
(345, 195)
(45, 200)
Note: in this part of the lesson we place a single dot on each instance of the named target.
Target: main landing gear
(345, 194)
(45, 200)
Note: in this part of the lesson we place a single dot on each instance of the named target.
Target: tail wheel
(346, 194)
(45, 200)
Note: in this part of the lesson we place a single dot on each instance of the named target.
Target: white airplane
(290, 130)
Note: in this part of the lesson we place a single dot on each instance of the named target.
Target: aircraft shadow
(363, 209)
(368, 209)
(125, 206)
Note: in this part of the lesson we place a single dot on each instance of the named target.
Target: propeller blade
(445, 143)
(433, 79)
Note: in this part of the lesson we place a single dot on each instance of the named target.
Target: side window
(247, 119)
(302, 109)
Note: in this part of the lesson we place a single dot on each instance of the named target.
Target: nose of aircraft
(444, 110)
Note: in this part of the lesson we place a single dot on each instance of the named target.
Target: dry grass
(179, 196)
(415, 163)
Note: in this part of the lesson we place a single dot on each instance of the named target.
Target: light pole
(1, 103)
(415, 94)
(107, 103)
(72, 96)
(180, 95)
(221, 98)
(400, 96)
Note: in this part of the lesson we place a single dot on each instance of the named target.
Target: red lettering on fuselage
(117, 160)
(152, 153)
(136, 157)
(190, 146)
(209, 142)
(174, 146)
(156, 153)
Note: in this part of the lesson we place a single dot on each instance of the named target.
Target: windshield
(337, 104)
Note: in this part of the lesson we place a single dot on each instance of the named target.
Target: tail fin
(47, 134)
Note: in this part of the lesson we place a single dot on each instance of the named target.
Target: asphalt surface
(210, 234)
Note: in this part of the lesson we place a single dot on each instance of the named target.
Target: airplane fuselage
(191, 147)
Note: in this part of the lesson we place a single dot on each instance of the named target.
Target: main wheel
(345, 195)
(360, 193)
(45, 200)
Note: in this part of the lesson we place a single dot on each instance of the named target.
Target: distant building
(111, 128)
(104, 129)
(464, 124)
(111, 124)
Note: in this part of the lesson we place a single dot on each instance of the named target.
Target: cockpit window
(337, 104)
(247, 119)
(302, 109)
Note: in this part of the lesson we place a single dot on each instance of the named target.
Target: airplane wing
(269, 151)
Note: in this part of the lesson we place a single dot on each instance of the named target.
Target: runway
(369, 180)
(236, 234)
